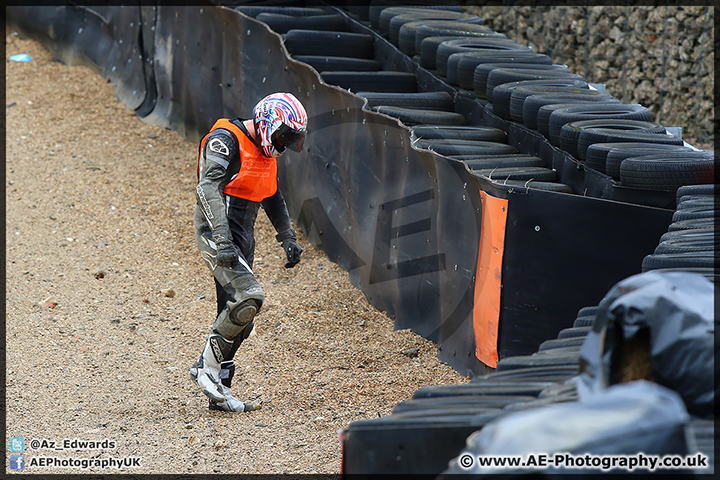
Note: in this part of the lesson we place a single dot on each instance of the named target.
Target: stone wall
(660, 57)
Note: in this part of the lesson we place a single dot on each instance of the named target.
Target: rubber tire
(467, 62)
(387, 14)
(624, 150)
(570, 132)
(441, 101)
(429, 46)
(482, 71)
(464, 147)
(499, 175)
(469, 44)
(534, 374)
(691, 202)
(453, 70)
(686, 247)
(542, 119)
(485, 387)
(486, 134)
(607, 135)
(696, 224)
(377, 6)
(561, 343)
(382, 81)
(573, 332)
(281, 23)
(502, 94)
(584, 321)
(500, 76)
(690, 235)
(331, 44)
(559, 78)
(442, 406)
(495, 156)
(345, 64)
(697, 190)
(412, 116)
(687, 198)
(707, 211)
(438, 28)
(526, 361)
(532, 104)
(680, 260)
(593, 111)
(253, 10)
(597, 153)
(516, 162)
(667, 171)
(519, 95)
(589, 310)
(398, 21)
(546, 186)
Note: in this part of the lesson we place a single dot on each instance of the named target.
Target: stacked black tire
(513, 82)
(449, 43)
(690, 243)
(523, 86)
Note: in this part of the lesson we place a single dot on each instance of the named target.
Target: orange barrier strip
(488, 279)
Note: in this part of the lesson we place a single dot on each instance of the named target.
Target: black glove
(293, 251)
(227, 254)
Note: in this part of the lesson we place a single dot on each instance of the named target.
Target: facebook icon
(17, 462)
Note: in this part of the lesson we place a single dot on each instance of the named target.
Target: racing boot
(230, 404)
(206, 371)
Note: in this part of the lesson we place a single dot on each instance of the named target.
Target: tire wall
(404, 223)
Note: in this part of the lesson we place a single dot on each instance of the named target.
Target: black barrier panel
(404, 223)
(105, 39)
(561, 253)
(146, 45)
(200, 69)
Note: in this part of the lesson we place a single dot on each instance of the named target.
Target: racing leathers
(234, 180)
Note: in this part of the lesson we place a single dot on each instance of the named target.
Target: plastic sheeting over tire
(675, 310)
(623, 420)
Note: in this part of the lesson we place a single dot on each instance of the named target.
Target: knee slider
(243, 313)
(233, 322)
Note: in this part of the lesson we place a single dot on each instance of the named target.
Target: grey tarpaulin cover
(676, 309)
(624, 419)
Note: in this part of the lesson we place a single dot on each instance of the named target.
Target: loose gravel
(108, 303)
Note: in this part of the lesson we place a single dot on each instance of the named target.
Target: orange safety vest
(257, 178)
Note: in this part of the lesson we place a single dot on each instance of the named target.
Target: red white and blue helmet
(280, 123)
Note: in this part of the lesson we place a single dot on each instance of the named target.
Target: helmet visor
(287, 137)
